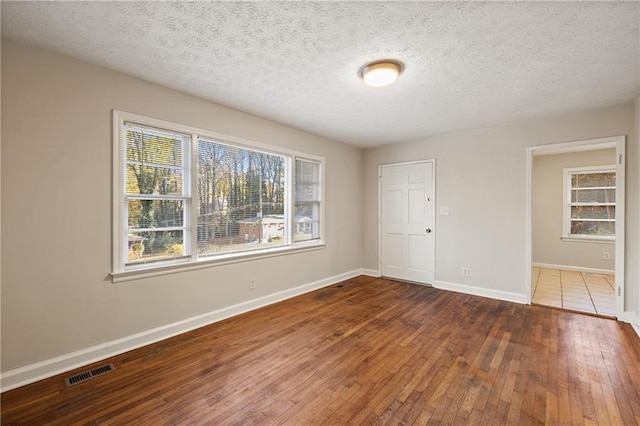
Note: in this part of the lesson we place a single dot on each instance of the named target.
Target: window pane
(154, 161)
(307, 181)
(307, 224)
(241, 198)
(155, 213)
(150, 246)
(593, 196)
(586, 227)
(153, 180)
(593, 212)
(586, 180)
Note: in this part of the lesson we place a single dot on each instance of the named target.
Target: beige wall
(481, 177)
(57, 296)
(547, 213)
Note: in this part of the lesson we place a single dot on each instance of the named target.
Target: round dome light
(381, 73)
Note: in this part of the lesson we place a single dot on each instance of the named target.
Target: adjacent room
(320, 213)
(574, 220)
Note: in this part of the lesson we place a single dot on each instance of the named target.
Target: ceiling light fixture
(381, 73)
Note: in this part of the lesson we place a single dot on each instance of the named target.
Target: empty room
(337, 213)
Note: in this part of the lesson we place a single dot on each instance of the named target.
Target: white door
(407, 221)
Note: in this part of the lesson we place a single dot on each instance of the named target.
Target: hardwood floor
(367, 351)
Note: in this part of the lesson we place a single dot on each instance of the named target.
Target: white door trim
(617, 142)
(433, 207)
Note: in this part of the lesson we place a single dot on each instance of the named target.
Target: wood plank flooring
(366, 351)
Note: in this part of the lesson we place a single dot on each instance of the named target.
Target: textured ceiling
(466, 64)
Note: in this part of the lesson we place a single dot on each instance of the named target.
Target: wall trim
(636, 328)
(632, 319)
(575, 268)
(483, 292)
(371, 273)
(60, 364)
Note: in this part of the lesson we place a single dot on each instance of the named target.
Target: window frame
(319, 201)
(287, 195)
(567, 203)
(189, 259)
(185, 196)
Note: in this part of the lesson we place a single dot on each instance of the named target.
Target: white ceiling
(466, 64)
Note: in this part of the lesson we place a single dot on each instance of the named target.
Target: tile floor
(578, 291)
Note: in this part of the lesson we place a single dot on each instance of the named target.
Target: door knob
(428, 230)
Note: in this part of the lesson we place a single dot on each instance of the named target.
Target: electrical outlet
(465, 272)
(606, 255)
(252, 284)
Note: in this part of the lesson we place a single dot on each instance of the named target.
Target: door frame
(432, 278)
(617, 142)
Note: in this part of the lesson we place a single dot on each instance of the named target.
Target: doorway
(571, 229)
(406, 218)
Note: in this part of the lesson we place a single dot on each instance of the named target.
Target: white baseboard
(636, 327)
(371, 273)
(575, 268)
(634, 320)
(51, 367)
(484, 292)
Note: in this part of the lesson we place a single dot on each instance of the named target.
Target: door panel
(395, 248)
(415, 252)
(417, 176)
(417, 206)
(406, 213)
(392, 209)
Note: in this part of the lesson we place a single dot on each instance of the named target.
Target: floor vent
(86, 375)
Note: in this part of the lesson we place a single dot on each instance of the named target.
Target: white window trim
(190, 261)
(566, 205)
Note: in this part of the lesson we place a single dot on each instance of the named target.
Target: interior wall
(633, 224)
(481, 177)
(547, 213)
(57, 296)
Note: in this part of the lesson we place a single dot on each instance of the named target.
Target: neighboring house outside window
(184, 195)
(264, 230)
(589, 202)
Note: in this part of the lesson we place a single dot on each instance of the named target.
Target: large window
(184, 195)
(590, 202)
(241, 197)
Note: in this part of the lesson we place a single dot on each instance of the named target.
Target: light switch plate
(444, 211)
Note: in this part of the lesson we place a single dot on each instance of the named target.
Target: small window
(185, 195)
(590, 202)
(307, 200)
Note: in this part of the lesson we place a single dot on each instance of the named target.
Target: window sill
(589, 239)
(118, 277)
